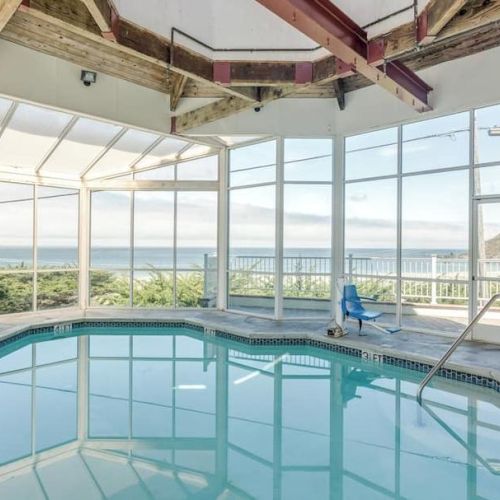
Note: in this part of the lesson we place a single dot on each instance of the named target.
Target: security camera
(88, 77)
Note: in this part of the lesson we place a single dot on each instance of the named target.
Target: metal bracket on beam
(343, 69)
(423, 37)
(115, 26)
(222, 72)
(303, 73)
(376, 52)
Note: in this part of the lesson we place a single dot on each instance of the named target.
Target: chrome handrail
(455, 344)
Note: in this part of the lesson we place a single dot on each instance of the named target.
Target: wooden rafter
(103, 14)
(66, 29)
(338, 86)
(178, 86)
(7, 10)
(474, 15)
(328, 70)
(326, 24)
(436, 15)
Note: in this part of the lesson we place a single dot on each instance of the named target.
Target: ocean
(187, 257)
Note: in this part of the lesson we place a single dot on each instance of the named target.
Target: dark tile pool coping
(369, 353)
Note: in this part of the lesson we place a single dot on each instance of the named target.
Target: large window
(407, 234)
(307, 227)
(39, 247)
(153, 249)
(252, 228)
(280, 227)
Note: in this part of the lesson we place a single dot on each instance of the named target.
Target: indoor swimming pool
(170, 412)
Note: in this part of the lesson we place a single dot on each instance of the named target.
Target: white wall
(32, 76)
(458, 85)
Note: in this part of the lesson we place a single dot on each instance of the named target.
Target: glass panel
(251, 249)
(17, 360)
(488, 248)
(195, 151)
(435, 305)
(109, 346)
(232, 140)
(109, 288)
(307, 250)
(487, 123)
(152, 399)
(166, 151)
(197, 249)
(109, 399)
(57, 289)
(371, 155)
(56, 405)
(263, 153)
(488, 326)
(370, 243)
(153, 230)
(371, 226)
(15, 417)
(85, 141)
(110, 230)
(435, 247)
(16, 292)
(195, 399)
(57, 227)
(157, 174)
(302, 149)
(253, 176)
(437, 143)
(16, 226)
(30, 134)
(5, 105)
(153, 346)
(153, 288)
(203, 169)
(123, 154)
(319, 169)
(487, 180)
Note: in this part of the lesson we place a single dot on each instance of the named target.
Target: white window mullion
(278, 261)
(399, 230)
(338, 227)
(223, 230)
(84, 216)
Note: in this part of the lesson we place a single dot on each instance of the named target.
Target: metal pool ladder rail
(457, 342)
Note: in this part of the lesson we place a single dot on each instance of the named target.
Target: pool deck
(471, 357)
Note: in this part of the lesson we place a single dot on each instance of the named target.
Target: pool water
(150, 413)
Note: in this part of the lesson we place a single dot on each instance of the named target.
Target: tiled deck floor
(473, 357)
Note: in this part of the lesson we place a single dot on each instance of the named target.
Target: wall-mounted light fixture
(494, 131)
(88, 77)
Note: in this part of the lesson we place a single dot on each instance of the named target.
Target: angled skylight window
(30, 134)
(84, 142)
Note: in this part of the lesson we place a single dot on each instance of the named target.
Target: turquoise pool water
(147, 413)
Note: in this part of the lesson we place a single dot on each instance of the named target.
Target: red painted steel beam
(327, 25)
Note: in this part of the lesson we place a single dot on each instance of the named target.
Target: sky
(435, 205)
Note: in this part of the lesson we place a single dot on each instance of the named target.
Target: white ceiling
(247, 24)
(57, 144)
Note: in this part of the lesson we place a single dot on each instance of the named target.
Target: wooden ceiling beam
(324, 71)
(473, 15)
(338, 86)
(326, 24)
(178, 86)
(105, 16)
(7, 10)
(436, 15)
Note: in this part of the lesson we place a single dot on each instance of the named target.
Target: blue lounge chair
(352, 307)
